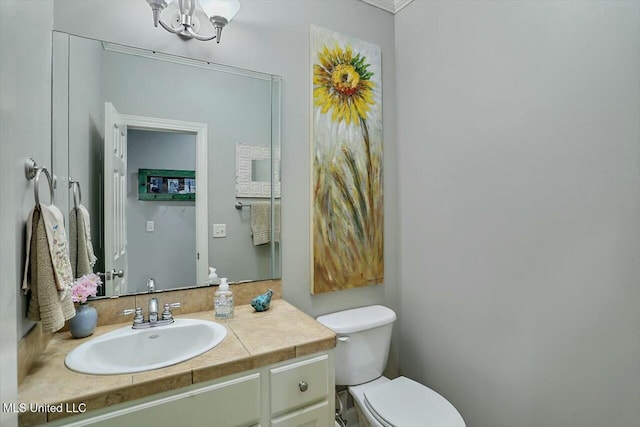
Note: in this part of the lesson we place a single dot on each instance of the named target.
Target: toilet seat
(405, 403)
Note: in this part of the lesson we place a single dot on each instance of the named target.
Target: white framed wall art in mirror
(253, 171)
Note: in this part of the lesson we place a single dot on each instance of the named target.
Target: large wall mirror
(148, 142)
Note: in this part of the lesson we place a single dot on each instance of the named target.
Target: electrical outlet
(150, 226)
(219, 230)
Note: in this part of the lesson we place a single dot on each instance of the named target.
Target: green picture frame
(166, 185)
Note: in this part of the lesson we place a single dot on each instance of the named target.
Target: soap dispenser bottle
(213, 279)
(223, 299)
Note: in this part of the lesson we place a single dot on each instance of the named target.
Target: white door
(115, 197)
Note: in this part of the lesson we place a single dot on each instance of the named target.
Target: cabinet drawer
(311, 416)
(299, 384)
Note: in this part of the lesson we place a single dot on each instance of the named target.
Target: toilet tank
(363, 339)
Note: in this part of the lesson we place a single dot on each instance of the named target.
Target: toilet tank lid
(358, 319)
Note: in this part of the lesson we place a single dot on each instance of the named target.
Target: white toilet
(364, 336)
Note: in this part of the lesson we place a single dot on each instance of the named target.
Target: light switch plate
(219, 230)
(150, 226)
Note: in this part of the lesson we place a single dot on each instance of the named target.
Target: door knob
(109, 275)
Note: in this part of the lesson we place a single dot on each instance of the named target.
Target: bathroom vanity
(273, 368)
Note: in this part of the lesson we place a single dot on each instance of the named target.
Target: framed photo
(166, 184)
(190, 185)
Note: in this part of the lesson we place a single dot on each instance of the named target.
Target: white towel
(80, 247)
(87, 232)
(261, 222)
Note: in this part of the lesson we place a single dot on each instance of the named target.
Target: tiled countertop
(253, 340)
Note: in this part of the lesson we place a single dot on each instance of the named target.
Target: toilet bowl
(403, 402)
(362, 349)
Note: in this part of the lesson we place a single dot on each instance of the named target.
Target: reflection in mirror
(161, 235)
(261, 170)
(161, 241)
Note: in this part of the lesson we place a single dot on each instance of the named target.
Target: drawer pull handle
(303, 386)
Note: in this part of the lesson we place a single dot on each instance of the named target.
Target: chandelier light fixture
(194, 19)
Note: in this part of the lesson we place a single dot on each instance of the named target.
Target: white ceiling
(392, 6)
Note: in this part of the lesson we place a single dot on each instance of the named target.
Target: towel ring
(74, 184)
(32, 170)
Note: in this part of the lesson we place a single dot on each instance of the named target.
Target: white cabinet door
(233, 403)
(311, 416)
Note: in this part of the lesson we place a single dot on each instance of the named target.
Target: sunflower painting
(347, 209)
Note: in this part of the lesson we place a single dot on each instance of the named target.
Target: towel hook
(77, 191)
(32, 170)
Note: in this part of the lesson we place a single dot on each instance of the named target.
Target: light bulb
(224, 8)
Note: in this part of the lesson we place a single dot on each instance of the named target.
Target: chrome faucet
(140, 323)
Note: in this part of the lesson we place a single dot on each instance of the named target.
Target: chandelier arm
(171, 29)
(198, 36)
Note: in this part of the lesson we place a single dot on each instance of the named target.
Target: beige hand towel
(47, 304)
(261, 222)
(57, 238)
(276, 222)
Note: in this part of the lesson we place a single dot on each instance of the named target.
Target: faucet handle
(138, 317)
(166, 313)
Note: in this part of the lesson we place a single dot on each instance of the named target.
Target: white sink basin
(127, 350)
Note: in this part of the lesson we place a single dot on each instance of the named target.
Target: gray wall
(519, 166)
(168, 254)
(25, 131)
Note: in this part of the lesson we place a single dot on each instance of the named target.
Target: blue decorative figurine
(262, 302)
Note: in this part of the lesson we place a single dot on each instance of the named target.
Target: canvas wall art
(346, 137)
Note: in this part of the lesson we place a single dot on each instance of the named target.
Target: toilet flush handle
(344, 338)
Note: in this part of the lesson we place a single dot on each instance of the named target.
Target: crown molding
(393, 6)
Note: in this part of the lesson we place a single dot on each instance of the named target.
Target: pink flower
(85, 287)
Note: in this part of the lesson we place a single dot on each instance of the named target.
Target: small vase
(84, 322)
